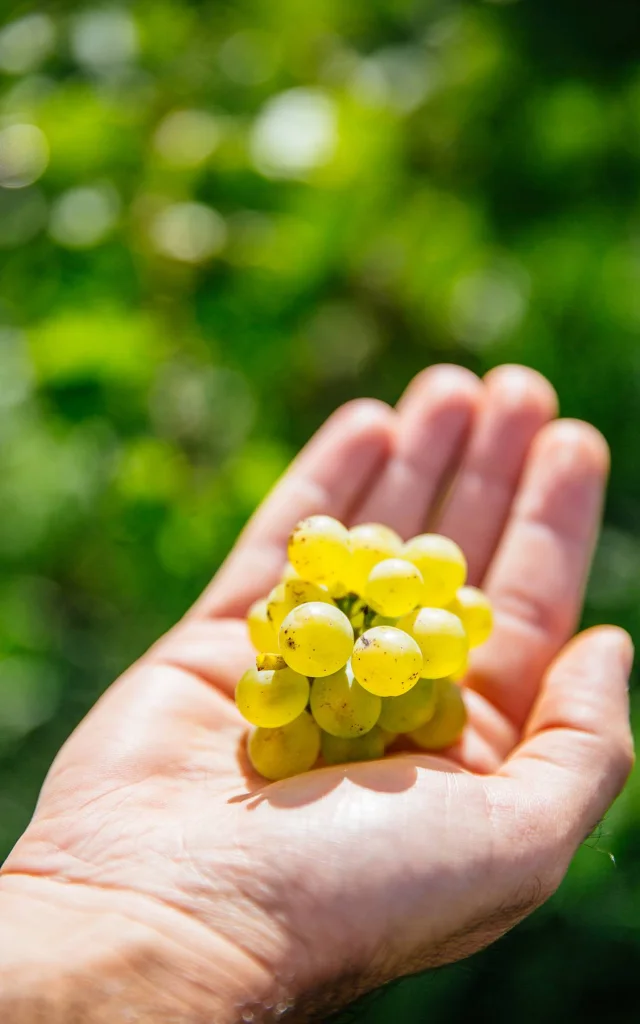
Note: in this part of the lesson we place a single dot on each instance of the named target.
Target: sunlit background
(218, 221)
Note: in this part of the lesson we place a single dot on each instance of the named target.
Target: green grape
(316, 639)
(287, 596)
(442, 564)
(370, 543)
(394, 587)
(339, 750)
(319, 549)
(448, 721)
(272, 698)
(289, 750)
(261, 632)
(386, 661)
(341, 706)
(411, 709)
(474, 610)
(441, 637)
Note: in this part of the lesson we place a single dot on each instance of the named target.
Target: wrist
(73, 954)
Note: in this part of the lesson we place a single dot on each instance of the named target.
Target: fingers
(538, 576)
(578, 747)
(436, 414)
(328, 476)
(516, 403)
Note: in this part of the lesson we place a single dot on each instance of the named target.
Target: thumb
(577, 748)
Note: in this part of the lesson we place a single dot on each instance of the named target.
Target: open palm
(311, 890)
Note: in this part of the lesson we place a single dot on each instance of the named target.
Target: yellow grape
(261, 632)
(272, 698)
(411, 709)
(441, 637)
(448, 721)
(474, 610)
(342, 707)
(286, 596)
(339, 750)
(319, 549)
(394, 587)
(386, 661)
(460, 673)
(442, 564)
(289, 750)
(370, 543)
(316, 639)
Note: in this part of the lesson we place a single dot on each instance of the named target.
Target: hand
(154, 840)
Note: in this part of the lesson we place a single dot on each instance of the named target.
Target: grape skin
(339, 750)
(280, 753)
(261, 632)
(409, 710)
(342, 707)
(441, 637)
(442, 564)
(448, 721)
(319, 549)
(272, 698)
(288, 595)
(370, 544)
(474, 610)
(386, 661)
(394, 587)
(316, 639)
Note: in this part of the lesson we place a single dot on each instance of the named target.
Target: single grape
(460, 673)
(386, 661)
(316, 639)
(442, 564)
(411, 709)
(339, 750)
(286, 596)
(319, 549)
(272, 698)
(289, 750)
(441, 637)
(448, 721)
(370, 543)
(341, 706)
(474, 610)
(261, 632)
(394, 587)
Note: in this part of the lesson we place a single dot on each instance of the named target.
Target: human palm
(321, 886)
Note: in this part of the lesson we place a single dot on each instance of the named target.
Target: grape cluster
(365, 638)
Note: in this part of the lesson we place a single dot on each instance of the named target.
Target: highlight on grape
(364, 640)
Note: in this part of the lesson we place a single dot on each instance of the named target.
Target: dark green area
(465, 186)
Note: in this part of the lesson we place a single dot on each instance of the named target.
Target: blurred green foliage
(219, 220)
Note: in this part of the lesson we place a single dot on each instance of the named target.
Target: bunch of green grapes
(363, 640)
